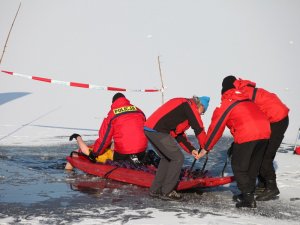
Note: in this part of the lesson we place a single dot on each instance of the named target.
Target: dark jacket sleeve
(184, 142)
(196, 124)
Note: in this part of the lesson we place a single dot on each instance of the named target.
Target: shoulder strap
(254, 94)
(221, 121)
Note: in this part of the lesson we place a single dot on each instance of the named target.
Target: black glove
(75, 136)
(92, 157)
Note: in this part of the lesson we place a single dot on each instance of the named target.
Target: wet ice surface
(35, 189)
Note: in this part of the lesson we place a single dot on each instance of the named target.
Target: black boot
(237, 198)
(247, 201)
(271, 191)
(172, 196)
(151, 158)
(260, 187)
(155, 194)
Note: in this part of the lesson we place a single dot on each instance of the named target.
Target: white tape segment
(80, 85)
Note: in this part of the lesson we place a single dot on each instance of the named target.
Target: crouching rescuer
(165, 129)
(124, 126)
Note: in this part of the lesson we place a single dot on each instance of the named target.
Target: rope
(79, 85)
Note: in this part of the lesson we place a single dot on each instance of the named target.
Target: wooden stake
(162, 82)
(9, 33)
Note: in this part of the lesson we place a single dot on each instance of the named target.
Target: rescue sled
(297, 148)
(141, 177)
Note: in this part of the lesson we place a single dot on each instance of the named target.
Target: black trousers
(267, 170)
(118, 156)
(246, 161)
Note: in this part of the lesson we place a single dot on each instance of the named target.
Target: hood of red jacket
(239, 84)
(234, 95)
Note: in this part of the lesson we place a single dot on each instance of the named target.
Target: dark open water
(35, 187)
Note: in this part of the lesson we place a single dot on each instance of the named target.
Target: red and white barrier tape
(80, 85)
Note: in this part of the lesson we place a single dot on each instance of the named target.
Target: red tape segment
(80, 85)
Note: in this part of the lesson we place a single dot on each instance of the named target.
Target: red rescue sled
(139, 177)
(297, 150)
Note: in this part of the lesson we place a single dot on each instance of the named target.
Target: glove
(92, 157)
(75, 136)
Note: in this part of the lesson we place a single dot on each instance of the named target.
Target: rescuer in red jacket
(124, 125)
(277, 113)
(167, 124)
(250, 129)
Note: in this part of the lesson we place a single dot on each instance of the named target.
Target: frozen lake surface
(35, 189)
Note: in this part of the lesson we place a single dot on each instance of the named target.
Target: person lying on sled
(124, 125)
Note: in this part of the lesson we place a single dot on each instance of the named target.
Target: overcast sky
(117, 42)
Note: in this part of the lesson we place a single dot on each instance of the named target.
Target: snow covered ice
(199, 42)
(35, 189)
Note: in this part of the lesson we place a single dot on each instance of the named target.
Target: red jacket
(268, 102)
(175, 117)
(244, 119)
(125, 125)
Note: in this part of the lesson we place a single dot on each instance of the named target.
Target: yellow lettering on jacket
(125, 109)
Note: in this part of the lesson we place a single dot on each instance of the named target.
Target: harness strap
(109, 172)
(221, 121)
(254, 94)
